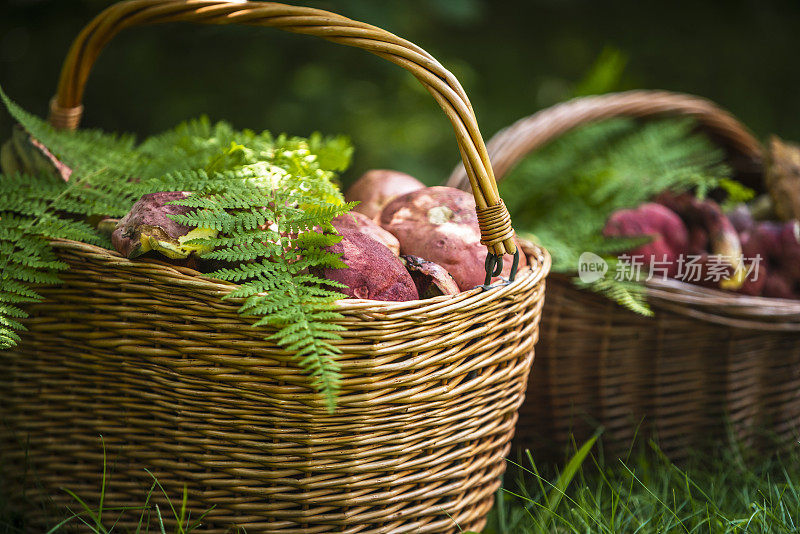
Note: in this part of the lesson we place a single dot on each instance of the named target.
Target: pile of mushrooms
(403, 241)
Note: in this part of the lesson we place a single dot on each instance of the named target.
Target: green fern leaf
(562, 195)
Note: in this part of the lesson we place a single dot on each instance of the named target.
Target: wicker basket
(708, 363)
(147, 356)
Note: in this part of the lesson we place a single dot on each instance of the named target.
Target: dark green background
(513, 57)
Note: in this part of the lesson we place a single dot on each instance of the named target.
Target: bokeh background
(513, 57)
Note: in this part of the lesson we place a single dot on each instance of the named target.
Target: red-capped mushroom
(790, 249)
(373, 272)
(669, 236)
(376, 188)
(439, 224)
(361, 223)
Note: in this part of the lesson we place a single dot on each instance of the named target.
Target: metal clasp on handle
(494, 266)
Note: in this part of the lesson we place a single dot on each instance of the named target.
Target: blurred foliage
(512, 57)
(562, 196)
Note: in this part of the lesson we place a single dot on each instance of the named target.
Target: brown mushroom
(431, 279)
(376, 188)
(361, 223)
(722, 236)
(147, 226)
(439, 224)
(373, 272)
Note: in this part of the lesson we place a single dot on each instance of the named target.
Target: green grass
(102, 519)
(731, 491)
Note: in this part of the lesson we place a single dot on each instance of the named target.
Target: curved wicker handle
(510, 145)
(66, 108)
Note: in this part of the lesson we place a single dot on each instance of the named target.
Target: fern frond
(273, 230)
(25, 260)
(628, 294)
(563, 193)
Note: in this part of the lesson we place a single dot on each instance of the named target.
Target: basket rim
(539, 263)
(712, 305)
(731, 309)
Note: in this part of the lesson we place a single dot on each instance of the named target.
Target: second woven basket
(707, 363)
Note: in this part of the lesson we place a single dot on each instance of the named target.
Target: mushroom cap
(698, 240)
(670, 238)
(376, 188)
(373, 272)
(440, 225)
(361, 223)
(765, 239)
(756, 279)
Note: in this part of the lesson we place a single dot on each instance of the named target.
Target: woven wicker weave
(147, 356)
(707, 363)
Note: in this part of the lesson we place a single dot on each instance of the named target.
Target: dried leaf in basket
(23, 154)
(782, 178)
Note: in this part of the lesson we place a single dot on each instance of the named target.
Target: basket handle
(66, 109)
(512, 144)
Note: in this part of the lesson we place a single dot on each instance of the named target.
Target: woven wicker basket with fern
(135, 366)
(706, 363)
